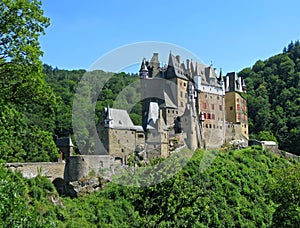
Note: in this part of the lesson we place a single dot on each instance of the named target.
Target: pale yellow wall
(213, 129)
(234, 100)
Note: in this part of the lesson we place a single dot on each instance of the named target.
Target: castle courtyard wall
(51, 170)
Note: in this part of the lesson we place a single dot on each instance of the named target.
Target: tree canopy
(241, 188)
(273, 95)
(27, 103)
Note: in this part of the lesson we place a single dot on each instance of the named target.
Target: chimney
(178, 58)
(154, 58)
(188, 64)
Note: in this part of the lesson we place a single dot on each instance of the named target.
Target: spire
(108, 119)
(144, 70)
(171, 62)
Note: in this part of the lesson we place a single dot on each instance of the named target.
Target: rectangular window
(238, 106)
(207, 115)
(181, 94)
(212, 106)
(245, 118)
(245, 108)
(213, 116)
(220, 107)
(204, 106)
(239, 116)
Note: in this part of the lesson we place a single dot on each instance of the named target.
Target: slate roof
(119, 119)
(179, 70)
(153, 117)
(168, 102)
(64, 142)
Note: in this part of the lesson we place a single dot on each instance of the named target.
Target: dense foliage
(273, 94)
(27, 103)
(65, 83)
(242, 188)
(25, 203)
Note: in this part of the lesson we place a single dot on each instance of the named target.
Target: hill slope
(273, 88)
(245, 188)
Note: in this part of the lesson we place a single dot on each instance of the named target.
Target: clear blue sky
(231, 34)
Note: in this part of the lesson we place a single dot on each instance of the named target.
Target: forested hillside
(273, 95)
(65, 83)
(242, 188)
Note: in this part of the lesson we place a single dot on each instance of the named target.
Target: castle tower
(188, 123)
(144, 73)
(144, 82)
(236, 109)
(154, 66)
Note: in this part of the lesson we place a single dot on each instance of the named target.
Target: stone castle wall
(84, 165)
(73, 169)
(51, 170)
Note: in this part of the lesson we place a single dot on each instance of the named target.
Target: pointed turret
(144, 70)
(154, 69)
(108, 119)
(171, 63)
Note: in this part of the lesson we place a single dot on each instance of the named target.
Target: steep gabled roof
(154, 120)
(64, 142)
(199, 70)
(119, 119)
(153, 115)
(179, 71)
(168, 102)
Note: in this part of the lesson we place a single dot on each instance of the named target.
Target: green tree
(273, 94)
(266, 136)
(285, 192)
(22, 85)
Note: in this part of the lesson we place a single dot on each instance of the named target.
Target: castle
(188, 101)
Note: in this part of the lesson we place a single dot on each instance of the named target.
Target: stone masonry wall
(85, 165)
(50, 170)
